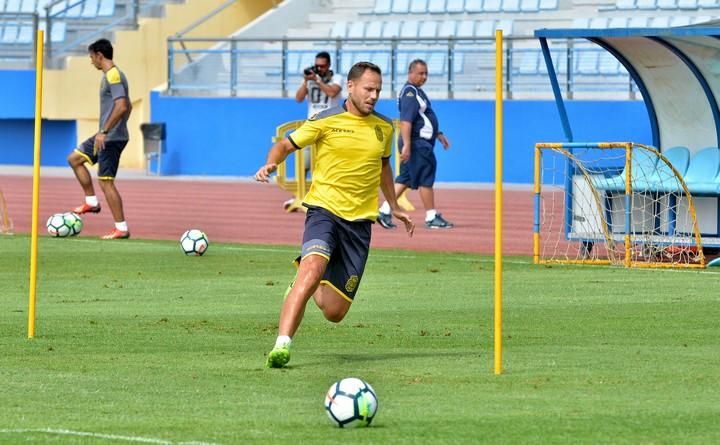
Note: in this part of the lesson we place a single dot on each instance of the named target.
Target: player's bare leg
(310, 271)
(112, 196)
(333, 305)
(77, 163)
(433, 219)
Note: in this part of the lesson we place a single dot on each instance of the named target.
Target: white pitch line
(65, 432)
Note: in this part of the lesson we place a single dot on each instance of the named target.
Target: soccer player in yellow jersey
(353, 149)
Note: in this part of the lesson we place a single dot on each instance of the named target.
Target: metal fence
(458, 67)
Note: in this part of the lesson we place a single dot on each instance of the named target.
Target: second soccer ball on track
(194, 242)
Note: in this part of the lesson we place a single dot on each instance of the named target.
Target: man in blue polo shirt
(418, 132)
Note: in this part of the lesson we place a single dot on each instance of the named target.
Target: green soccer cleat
(278, 357)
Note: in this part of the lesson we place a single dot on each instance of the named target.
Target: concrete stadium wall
(231, 136)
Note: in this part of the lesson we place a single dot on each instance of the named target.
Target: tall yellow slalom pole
(498, 197)
(39, 55)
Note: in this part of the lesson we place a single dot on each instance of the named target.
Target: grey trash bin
(153, 145)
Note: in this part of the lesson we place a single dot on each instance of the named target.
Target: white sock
(385, 208)
(91, 200)
(430, 215)
(282, 341)
(121, 226)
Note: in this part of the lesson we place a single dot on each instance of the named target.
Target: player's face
(364, 92)
(419, 74)
(95, 59)
(323, 66)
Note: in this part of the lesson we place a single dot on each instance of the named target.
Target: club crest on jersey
(352, 283)
(378, 133)
(313, 117)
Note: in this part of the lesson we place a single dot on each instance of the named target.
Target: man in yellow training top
(354, 145)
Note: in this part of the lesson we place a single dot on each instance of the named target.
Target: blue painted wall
(231, 136)
(17, 112)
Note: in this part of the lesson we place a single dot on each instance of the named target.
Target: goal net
(614, 203)
(6, 224)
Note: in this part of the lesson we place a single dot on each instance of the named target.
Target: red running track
(247, 212)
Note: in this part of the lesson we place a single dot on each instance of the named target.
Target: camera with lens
(311, 69)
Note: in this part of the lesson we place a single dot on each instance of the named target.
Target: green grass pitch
(138, 343)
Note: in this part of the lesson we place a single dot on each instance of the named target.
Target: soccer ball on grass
(351, 402)
(66, 224)
(194, 242)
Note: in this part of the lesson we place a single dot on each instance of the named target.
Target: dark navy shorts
(345, 244)
(108, 159)
(419, 170)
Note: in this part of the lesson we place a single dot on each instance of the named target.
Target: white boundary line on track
(65, 432)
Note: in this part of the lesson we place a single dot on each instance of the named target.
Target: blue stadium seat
(687, 4)
(625, 4)
(703, 173)
(25, 34)
(608, 64)
(428, 29)
(473, 6)
(373, 30)
(57, 7)
(642, 165)
(13, 5)
(485, 28)
(339, 29)
(506, 25)
(530, 5)
(436, 6)
(586, 61)
(458, 62)
(409, 29)
(658, 180)
(447, 28)
(466, 28)
(391, 29)
(528, 63)
(708, 4)
(581, 23)
(510, 5)
(356, 30)
(667, 4)
(10, 33)
(638, 22)
(401, 6)
(382, 7)
(599, 22)
(28, 6)
(646, 4)
(617, 22)
(418, 6)
(546, 5)
(382, 60)
(455, 6)
(41, 6)
(74, 9)
(700, 19)
(90, 10)
(679, 20)
(107, 8)
(436, 63)
(293, 62)
(492, 5)
(660, 22)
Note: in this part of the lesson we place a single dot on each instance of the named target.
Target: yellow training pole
(36, 182)
(498, 197)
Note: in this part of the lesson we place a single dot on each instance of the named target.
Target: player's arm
(330, 88)
(388, 188)
(301, 92)
(405, 134)
(277, 154)
(120, 107)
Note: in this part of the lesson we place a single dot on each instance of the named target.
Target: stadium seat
(339, 29)
(642, 164)
(74, 9)
(667, 4)
(56, 8)
(660, 22)
(708, 4)
(625, 4)
(646, 4)
(356, 30)
(41, 6)
(25, 34)
(679, 20)
(455, 6)
(436, 63)
(687, 4)
(458, 62)
(374, 30)
(485, 28)
(436, 6)
(418, 6)
(90, 10)
(506, 25)
(473, 6)
(13, 5)
(492, 5)
(638, 22)
(530, 5)
(409, 29)
(391, 29)
(546, 5)
(447, 28)
(466, 28)
(599, 22)
(528, 63)
(293, 62)
(107, 8)
(658, 180)
(608, 64)
(510, 6)
(382, 7)
(702, 176)
(617, 22)
(700, 19)
(382, 60)
(27, 6)
(586, 61)
(10, 33)
(400, 6)
(428, 29)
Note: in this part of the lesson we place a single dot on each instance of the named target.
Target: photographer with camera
(319, 86)
(322, 92)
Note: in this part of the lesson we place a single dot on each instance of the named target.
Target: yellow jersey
(349, 153)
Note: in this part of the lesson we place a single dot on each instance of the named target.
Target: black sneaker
(385, 220)
(438, 223)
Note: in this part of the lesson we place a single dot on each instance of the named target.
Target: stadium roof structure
(677, 71)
